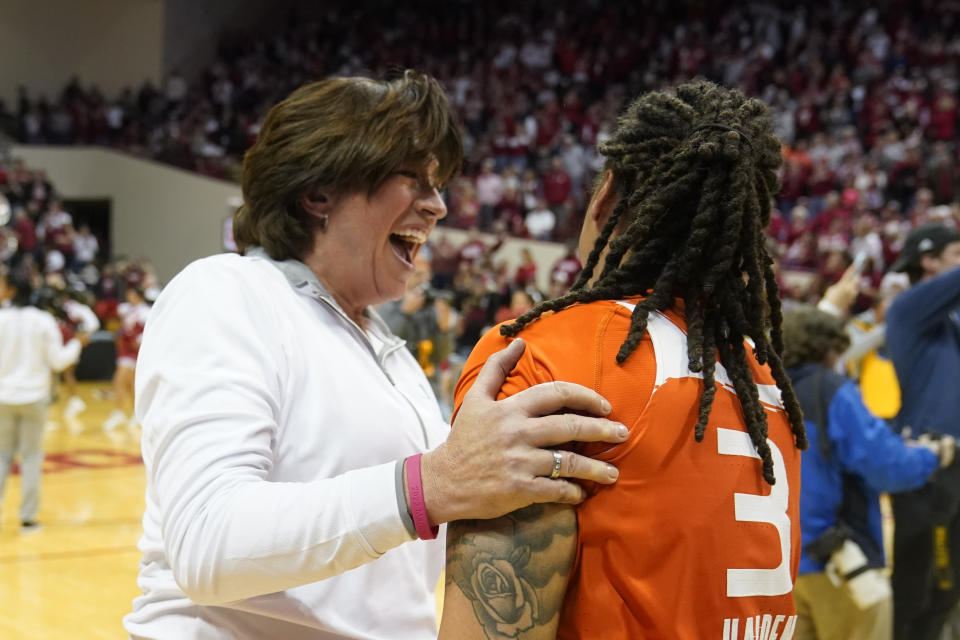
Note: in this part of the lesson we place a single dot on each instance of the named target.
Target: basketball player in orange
(676, 320)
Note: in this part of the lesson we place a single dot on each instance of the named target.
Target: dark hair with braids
(695, 169)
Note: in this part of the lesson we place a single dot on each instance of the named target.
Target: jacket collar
(305, 281)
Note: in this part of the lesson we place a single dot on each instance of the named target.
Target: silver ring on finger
(557, 461)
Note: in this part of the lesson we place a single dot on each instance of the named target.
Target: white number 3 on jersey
(755, 508)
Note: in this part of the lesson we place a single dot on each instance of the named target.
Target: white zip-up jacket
(272, 425)
(31, 346)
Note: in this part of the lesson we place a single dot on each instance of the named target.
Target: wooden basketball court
(75, 577)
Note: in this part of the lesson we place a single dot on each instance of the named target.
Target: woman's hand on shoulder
(497, 457)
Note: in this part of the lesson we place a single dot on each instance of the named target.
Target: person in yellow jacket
(866, 359)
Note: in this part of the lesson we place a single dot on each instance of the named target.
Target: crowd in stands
(61, 256)
(863, 95)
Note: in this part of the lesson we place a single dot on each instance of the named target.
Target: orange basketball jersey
(690, 543)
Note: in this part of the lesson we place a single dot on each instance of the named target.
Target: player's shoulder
(577, 321)
(553, 332)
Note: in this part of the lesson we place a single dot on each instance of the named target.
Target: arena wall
(110, 43)
(174, 216)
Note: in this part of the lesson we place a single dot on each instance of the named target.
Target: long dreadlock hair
(696, 174)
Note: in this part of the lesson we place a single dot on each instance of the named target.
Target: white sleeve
(59, 356)
(89, 322)
(209, 378)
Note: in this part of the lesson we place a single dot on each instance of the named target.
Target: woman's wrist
(425, 529)
(432, 490)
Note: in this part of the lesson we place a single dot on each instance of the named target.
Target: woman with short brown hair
(294, 450)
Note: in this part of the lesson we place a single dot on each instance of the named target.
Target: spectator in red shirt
(549, 122)
(834, 208)
(510, 211)
(591, 125)
(807, 115)
(794, 185)
(26, 231)
(943, 115)
(556, 184)
(527, 271)
(61, 239)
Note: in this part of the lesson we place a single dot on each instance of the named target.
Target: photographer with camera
(842, 591)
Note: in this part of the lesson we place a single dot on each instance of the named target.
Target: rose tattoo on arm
(502, 600)
(514, 570)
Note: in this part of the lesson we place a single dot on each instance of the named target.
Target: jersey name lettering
(760, 627)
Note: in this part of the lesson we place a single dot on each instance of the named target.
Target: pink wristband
(418, 509)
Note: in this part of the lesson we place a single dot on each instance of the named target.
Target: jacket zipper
(380, 360)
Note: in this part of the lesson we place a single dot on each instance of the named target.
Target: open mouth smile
(406, 244)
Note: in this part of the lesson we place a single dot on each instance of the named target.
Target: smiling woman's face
(368, 251)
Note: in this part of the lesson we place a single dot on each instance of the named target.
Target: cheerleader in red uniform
(133, 317)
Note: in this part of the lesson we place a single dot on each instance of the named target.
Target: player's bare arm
(506, 578)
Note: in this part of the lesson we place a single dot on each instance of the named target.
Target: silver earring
(324, 219)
